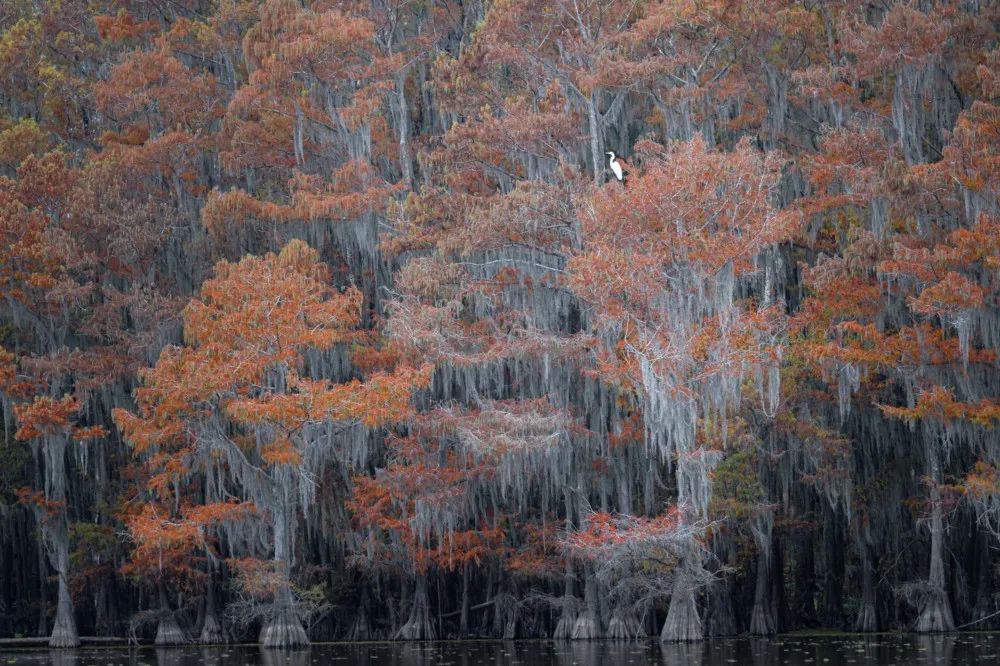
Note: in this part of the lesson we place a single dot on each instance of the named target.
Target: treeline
(329, 319)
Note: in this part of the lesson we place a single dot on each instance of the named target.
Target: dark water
(881, 650)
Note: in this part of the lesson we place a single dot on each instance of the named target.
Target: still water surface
(879, 650)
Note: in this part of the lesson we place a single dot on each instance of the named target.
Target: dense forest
(333, 319)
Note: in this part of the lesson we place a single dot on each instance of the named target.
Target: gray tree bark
(867, 619)
(683, 622)
(284, 628)
(419, 626)
(596, 152)
(405, 160)
(588, 623)
(211, 630)
(56, 530)
(935, 615)
(168, 630)
(763, 621)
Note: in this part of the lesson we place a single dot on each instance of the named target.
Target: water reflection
(166, 656)
(841, 650)
(64, 657)
(939, 648)
(285, 657)
(683, 653)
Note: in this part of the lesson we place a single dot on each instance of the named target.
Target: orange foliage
(939, 404)
(45, 416)
(122, 27)
(255, 318)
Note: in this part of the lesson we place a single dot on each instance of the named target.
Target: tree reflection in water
(788, 650)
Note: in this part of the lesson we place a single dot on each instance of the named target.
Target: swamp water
(876, 650)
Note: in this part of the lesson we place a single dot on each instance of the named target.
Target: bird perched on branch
(618, 167)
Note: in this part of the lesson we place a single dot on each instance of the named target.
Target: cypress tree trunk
(419, 626)
(719, 617)
(463, 624)
(567, 617)
(907, 111)
(778, 600)
(283, 629)
(361, 629)
(297, 138)
(763, 620)
(405, 160)
(867, 619)
(984, 603)
(935, 615)
(427, 123)
(624, 624)
(64, 633)
(588, 623)
(833, 613)
(211, 630)
(596, 154)
(683, 622)
(43, 616)
(168, 631)
(763, 617)
(803, 602)
(505, 613)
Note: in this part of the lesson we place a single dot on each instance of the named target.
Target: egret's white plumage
(615, 166)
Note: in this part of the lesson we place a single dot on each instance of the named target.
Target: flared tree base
(935, 615)
(284, 630)
(867, 619)
(361, 629)
(169, 632)
(63, 637)
(505, 619)
(564, 628)
(418, 626)
(64, 633)
(683, 622)
(211, 632)
(586, 628)
(416, 630)
(624, 626)
(762, 621)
